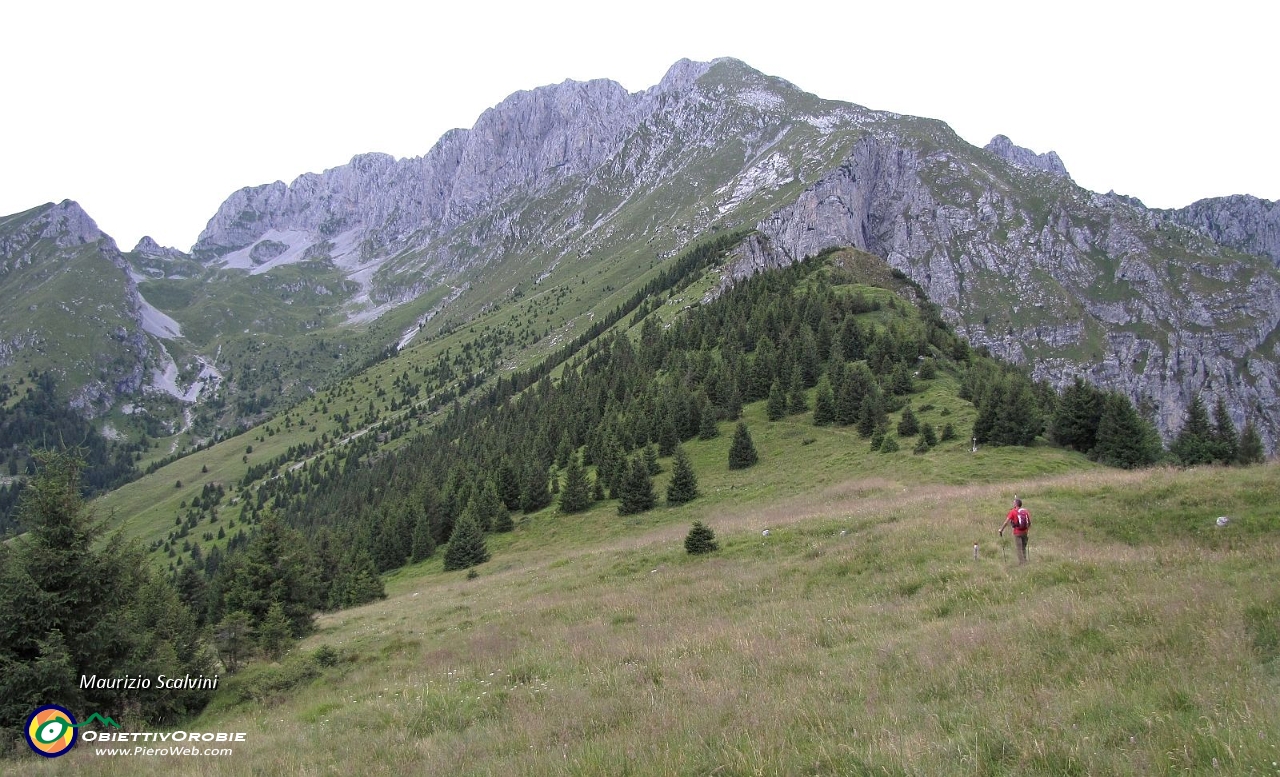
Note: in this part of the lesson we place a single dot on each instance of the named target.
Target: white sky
(150, 113)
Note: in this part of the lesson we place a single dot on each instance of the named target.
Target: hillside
(859, 637)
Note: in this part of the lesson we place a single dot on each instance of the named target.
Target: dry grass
(885, 649)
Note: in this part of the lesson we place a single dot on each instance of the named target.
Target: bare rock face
(1242, 222)
(1025, 158)
(1045, 273)
(150, 249)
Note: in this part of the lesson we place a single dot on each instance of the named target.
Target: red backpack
(1021, 519)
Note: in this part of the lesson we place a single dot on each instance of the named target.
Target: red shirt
(1013, 514)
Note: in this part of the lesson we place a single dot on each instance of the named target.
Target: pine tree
(233, 637)
(1225, 439)
(776, 408)
(535, 495)
(948, 432)
(1075, 424)
(1194, 443)
(273, 634)
(1250, 450)
(742, 452)
(908, 426)
(824, 404)
(651, 460)
(466, 546)
(576, 494)
(683, 486)
(797, 401)
(424, 544)
(1122, 440)
(872, 416)
(700, 539)
(889, 444)
(637, 494)
(928, 434)
(708, 428)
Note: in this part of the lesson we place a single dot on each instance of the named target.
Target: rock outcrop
(1242, 222)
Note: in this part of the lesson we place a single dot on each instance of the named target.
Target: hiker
(1020, 520)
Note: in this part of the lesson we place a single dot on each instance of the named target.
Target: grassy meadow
(860, 636)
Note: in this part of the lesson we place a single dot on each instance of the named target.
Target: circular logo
(51, 730)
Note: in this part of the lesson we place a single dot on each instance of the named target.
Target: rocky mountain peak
(1241, 221)
(1025, 158)
(148, 247)
(68, 225)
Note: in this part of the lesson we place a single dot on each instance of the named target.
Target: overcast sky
(150, 113)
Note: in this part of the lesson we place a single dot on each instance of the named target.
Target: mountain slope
(583, 187)
(72, 307)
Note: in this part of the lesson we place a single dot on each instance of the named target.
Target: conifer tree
(742, 452)
(928, 434)
(776, 408)
(872, 416)
(908, 426)
(535, 495)
(466, 546)
(637, 489)
(1075, 423)
(700, 539)
(889, 444)
(684, 481)
(424, 544)
(1250, 450)
(708, 428)
(1122, 440)
(651, 460)
(576, 494)
(797, 401)
(1194, 443)
(824, 404)
(1225, 439)
(273, 634)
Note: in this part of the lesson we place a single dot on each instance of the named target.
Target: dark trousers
(1020, 542)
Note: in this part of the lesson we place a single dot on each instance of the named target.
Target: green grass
(859, 637)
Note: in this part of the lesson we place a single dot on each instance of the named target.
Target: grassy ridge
(860, 637)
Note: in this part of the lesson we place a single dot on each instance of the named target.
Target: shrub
(700, 539)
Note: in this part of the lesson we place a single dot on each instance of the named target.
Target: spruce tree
(576, 494)
(742, 452)
(1075, 424)
(1194, 443)
(708, 428)
(776, 408)
(1225, 439)
(637, 494)
(466, 546)
(1250, 450)
(872, 416)
(889, 444)
(824, 404)
(273, 634)
(651, 460)
(700, 539)
(928, 434)
(683, 486)
(424, 544)
(1122, 440)
(908, 426)
(535, 495)
(797, 401)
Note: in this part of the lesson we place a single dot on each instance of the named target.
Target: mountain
(72, 307)
(587, 183)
